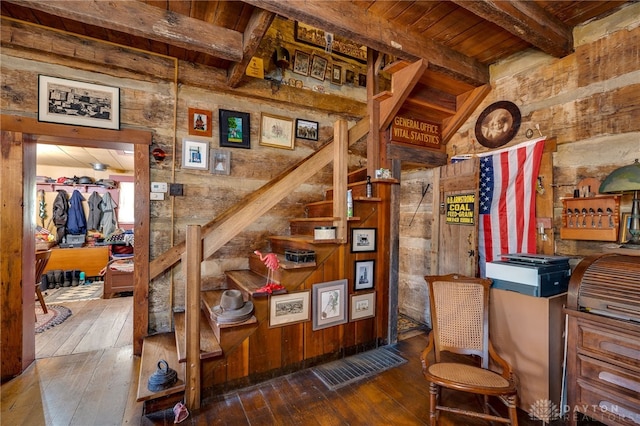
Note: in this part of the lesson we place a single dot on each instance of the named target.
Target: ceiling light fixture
(99, 167)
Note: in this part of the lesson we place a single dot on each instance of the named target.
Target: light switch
(157, 196)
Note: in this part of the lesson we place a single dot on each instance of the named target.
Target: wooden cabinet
(90, 260)
(527, 332)
(591, 218)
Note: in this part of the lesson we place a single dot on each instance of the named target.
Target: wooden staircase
(221, 345)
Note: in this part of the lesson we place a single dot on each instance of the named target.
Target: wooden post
(340, 170)
(192, 316)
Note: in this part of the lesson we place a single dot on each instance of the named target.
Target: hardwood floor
(98, 387)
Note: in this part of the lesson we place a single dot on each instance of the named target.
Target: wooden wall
(589, 101)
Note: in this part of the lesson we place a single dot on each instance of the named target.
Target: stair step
(154, 349)
(211, 299)
(303, 241)
(246, 280)
(209, 346)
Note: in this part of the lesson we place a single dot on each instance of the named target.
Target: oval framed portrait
(498, 124)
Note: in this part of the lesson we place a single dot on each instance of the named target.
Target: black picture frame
(363, 240)
(318, 67)
(336, 75)
(306, 129)
(301, 63)
(498, 124)
(235, 129)
(364, 273)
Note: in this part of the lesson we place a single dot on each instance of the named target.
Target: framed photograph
(625, 226)
(330, 42)
(362, 80)
(498, 124)
(318, 67)
(363, 240)
(276, 131)
(301, 63)
(235, 129)
(364, 274)
(200, 122)
(289, 308)
(306, 129)
(329, 304)
(195, 154)
(336, 75)
(362, 306)
(78, 103)
(349, 77)
(220, 161)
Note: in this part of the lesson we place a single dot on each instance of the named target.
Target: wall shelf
(591, 218)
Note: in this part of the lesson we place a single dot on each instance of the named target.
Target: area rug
(342, 372)
(56, 314)
(74, 294)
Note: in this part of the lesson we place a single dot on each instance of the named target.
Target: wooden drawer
(605, 404)
(622, 347)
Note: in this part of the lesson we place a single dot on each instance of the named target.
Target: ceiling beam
(137, 18)
(257, 27)
(526, 20)
(354, 23)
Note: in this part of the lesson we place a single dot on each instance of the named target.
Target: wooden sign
(460, 209)
(415, 132)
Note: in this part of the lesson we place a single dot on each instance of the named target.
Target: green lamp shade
(624, 179)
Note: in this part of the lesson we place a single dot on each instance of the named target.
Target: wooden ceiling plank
(467, 106)
(350, 21)
(527, 21)
(147, 21)
(256, 29)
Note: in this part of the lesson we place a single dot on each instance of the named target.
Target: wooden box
(591, 218)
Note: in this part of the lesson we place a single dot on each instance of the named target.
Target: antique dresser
(603, 341)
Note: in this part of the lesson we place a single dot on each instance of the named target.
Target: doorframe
(27, 133)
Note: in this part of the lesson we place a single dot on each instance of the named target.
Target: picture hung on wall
(498, 124)
(200, 122)
(363, 306)
(301, 63)
(289, 308)
(318, 67)
(625, 226)
(78, 103)
(363, 240)
(364, 274)
(235, 129)
(276, 131)
(220, 161)
(331, 43)
(306, 129)
(362, 80)
(195, 154)
(349, 77)
(336, 75)
(329, 304)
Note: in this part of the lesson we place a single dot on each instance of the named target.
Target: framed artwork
(336, 75)
(349, 77)
(289, 308)
(195, 154)
(301, 63)
(625, 226)
(329, 42)
(329, 304)
(235, 129)
(362, 80)
(363, 240)
(498, 124)
(200, 122)
(78, 103)
(306, 129)
(362, 306)
(276, 131)
(318, 67)
(364, 274)
(220, 161)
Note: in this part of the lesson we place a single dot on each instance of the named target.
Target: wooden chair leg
(40, 298)
(433, 403)
(513, 412)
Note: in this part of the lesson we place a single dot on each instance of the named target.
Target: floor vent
(337, 374)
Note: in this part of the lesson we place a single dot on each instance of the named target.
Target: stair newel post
(340, 171)
(192, 316)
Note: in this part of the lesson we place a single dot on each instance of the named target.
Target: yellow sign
(415, 132)
(255, 68)
(460, 209)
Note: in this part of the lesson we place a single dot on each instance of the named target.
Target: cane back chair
(460, 330)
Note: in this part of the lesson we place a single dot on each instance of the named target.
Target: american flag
(508, 180)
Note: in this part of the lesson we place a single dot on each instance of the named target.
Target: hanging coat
(60, 214)
(77, 222)
(95, 212)
(108, 224)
